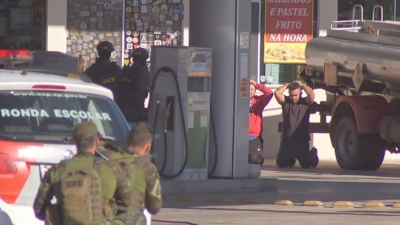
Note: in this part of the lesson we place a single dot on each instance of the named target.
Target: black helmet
(140, 52)
(104, 46)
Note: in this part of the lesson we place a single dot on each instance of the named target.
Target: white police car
(38, 111)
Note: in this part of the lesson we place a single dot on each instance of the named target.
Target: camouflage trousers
(129, 218)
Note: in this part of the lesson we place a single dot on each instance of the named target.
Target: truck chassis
(365, 115)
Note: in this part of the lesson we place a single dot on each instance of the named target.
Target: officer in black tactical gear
(104, 72)
(133, 87)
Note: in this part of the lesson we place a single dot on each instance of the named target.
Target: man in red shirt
(257, 105)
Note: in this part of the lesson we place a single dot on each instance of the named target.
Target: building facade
(23, 24)
(75, 26)
(279, 32)
(295, 20)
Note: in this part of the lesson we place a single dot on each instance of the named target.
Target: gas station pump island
(198, 104)
(179, 110)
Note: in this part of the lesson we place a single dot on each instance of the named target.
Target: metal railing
(361, 12)
(380, 9)
(353, 24)
(346, 25)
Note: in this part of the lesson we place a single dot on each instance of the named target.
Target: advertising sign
(288, 28)
(199, 64)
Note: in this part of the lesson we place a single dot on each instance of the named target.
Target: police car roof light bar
(21, 59)
(15, 53)
(15, 56)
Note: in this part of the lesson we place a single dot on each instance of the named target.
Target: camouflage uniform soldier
(138, 185)
(83, 187)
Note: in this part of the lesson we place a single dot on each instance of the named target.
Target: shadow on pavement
(327, 184)
(299, 191)
(331, 168)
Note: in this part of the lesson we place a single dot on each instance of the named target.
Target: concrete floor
(327, 183)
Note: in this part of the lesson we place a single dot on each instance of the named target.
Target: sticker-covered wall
(92, 21)
(151, 22)
(126, 24)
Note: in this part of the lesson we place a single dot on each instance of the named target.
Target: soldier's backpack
(81, 200)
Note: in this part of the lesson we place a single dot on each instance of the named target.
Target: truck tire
(376, 152)
(349, 145)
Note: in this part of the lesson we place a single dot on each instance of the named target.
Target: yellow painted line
(282, 202)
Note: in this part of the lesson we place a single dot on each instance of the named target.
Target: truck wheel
(349, 145)
(376, 152)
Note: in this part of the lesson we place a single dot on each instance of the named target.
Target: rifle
(53, 215)
(107, 145)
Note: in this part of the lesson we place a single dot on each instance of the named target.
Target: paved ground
(327, 184)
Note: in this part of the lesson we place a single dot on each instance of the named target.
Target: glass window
(23, 24)
(397, 10)
(51, 116)
(345, 9)
(276, 74)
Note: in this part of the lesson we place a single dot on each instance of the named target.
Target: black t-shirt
(105, 73)
(133, 90)
(296, 120)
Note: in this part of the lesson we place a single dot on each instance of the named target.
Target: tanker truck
(358, 65)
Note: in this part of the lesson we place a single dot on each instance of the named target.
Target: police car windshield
(46, 116)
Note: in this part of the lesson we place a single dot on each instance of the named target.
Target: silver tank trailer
(374, 44)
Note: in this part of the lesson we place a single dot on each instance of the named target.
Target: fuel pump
(179, 110)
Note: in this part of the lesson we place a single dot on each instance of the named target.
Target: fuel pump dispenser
(179, 110)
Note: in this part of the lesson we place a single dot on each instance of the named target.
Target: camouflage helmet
(85, 129)
(140, 53)
(104, 46)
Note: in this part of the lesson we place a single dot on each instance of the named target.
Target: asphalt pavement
(327, 184)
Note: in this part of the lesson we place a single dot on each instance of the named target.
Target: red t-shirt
(257, 105)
